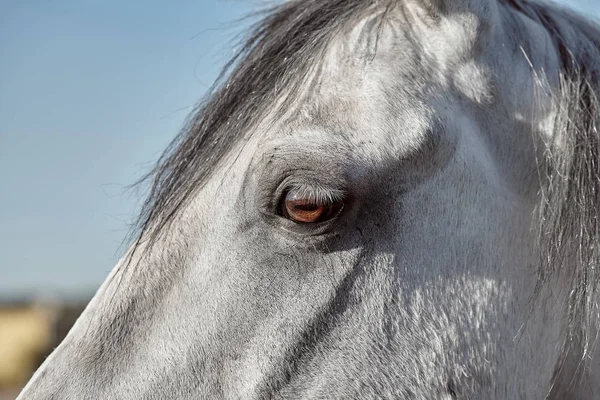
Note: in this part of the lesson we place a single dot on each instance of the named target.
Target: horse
(379, 199)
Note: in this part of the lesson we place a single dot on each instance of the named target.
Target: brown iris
(307, 211)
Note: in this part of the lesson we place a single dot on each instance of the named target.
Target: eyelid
(315, 193)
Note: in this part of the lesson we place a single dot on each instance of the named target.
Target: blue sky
(91, 92)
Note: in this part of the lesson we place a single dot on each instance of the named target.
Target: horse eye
(303, 210)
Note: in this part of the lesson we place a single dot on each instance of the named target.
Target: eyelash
(315, 193)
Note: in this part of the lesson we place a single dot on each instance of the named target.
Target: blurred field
(29, 331)
(9, 394)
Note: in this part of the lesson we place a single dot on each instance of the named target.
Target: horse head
(381, 199)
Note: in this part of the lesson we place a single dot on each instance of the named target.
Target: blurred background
(91, 92)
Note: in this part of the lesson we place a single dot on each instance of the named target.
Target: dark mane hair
(285, 45)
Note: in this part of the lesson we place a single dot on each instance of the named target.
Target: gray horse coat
(383, 199)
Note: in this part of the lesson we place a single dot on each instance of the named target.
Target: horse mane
(283, 48)
(569, 229)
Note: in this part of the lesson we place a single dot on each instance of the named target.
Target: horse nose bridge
(52, 378)
(74, 370)
(75, 367)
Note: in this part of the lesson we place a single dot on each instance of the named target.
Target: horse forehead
(371, 122)
(360, 98)
(384, 92)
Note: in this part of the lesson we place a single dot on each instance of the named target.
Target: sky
(91, 92)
